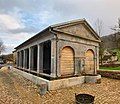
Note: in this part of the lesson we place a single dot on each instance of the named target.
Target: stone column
(38, 58)
(58, 58)
(53, 58)
(24, 60)
(41, 58)
(97, 59)
(20, 60)
(77, 63)
(29, 58)
(17, 58)
(31, 61)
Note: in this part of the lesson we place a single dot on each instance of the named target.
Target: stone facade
(42, 54)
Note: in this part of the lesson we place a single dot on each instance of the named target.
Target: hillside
(111, 41)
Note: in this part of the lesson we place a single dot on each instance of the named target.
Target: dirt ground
(14, 89)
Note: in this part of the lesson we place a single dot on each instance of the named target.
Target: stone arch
(67, 61)
(89, 61)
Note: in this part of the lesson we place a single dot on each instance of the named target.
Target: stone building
(62, 50)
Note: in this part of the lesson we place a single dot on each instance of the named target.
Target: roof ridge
(68, 22)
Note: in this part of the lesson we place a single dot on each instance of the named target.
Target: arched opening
(67, 61)
(89, 62)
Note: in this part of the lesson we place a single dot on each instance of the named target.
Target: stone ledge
(66, 82)
(31, 77)
(58, 83)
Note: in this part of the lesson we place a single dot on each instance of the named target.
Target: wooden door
(89, 62)
(67, 61)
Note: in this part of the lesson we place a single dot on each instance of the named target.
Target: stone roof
(52, 27)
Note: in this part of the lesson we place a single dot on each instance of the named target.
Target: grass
(110, 68)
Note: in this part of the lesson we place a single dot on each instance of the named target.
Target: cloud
(12, 40)
(9, 48)
(9, 22)
(18, 37)
(106, 10)
(24, 30)
(29, 22)
(21, 19)
(45, 16)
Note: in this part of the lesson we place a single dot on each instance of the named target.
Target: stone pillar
(31, 62)
(97, 59)
(24, 59)
(38, 58)
(58, 58)
(53, 58)
(77, 63)
(29, 58)
(17, 59)
(20, 60)
(41, 58)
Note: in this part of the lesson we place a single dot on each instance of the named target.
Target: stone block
(93, 79)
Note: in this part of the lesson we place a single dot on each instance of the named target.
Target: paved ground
(14, 89)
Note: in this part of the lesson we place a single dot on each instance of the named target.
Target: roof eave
(32, 38)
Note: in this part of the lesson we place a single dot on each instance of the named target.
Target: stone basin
(84, 99)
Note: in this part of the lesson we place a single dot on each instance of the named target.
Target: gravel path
(14, 89)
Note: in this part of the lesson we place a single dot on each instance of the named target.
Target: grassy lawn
(110, 68)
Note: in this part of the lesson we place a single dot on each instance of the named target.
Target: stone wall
(80, 47)
(59, 83)
(109, 74)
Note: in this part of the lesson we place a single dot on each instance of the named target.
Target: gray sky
(21, 19)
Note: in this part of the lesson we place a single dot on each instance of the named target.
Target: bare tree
(99, 30)
(99, 27)
(116, 30)
(2, 47)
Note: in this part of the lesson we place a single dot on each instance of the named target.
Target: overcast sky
(21, 19)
